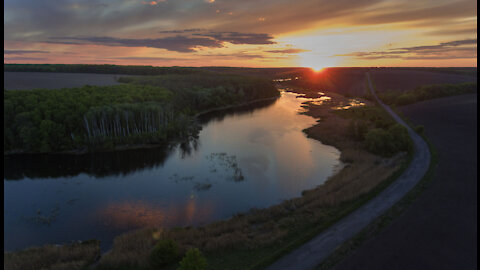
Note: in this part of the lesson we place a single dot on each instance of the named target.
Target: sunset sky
(249, 33)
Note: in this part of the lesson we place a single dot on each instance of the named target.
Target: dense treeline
(427, 92)
(94, 117)
(209, 90)
(53, 120)
(377, 130)
(103, 69)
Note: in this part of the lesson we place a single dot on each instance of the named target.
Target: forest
(145, 110)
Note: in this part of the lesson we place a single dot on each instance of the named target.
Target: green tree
(164, 253)
(193, 260)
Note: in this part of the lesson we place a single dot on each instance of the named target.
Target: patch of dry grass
(50, 257)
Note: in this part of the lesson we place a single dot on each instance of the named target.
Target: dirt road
(439, 230)
(313, 252)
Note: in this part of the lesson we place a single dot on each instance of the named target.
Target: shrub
(193, 260)
(164, 253)
(357, 129)
(420, 129)
(388, 142)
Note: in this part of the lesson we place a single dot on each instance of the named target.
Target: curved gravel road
(312, 253)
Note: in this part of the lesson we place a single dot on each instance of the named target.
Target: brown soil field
(52, 80)
(439, 229)
(400, 80)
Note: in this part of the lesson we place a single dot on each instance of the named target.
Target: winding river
(249, 157)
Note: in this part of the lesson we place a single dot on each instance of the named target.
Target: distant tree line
(202, 91)
(102, 69)
(400, 98)
(102, 117)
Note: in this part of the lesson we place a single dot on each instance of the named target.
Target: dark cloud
(458, 49)
(243, 55)
(19, 58)
(178, 43)
(405, 11)
(288, 51)
(175, 43)
(439, 46)
(181, 31)
(148, 58)
(239, 38)
(22, 51)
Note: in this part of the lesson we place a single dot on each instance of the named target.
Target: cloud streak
(18, 52)
(288, 51)
(239, 38)
(457, 49)
(178, 43)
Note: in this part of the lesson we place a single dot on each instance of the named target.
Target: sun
(316, 62)
(318, 69)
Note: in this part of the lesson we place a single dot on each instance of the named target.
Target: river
(249, 157)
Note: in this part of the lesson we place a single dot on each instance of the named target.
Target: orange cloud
(152, 3)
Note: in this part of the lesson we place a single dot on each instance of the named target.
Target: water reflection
(253, 156)
(353, 102)
(116, 163)
(99, 165)
(127, 215)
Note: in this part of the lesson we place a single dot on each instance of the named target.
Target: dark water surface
(255, 156)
